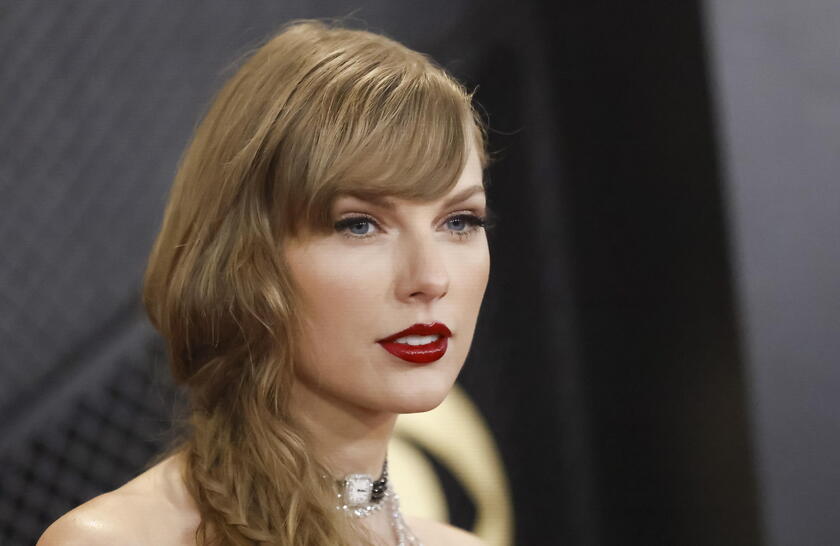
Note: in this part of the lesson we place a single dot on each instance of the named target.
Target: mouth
(419, 343)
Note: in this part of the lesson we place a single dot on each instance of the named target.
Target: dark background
(656, 352)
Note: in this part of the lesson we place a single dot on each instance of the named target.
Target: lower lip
(419, 354)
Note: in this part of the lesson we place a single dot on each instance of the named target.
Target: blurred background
(657, 353)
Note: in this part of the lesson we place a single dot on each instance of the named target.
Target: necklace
(404, 535)
(359, 495)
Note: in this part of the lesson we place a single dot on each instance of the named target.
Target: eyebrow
(388, 204)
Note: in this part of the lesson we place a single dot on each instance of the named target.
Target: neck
(348, 439)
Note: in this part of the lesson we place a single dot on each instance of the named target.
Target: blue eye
(470, 222)
(462, 221)
(461, 226)
(355, 225)
(360, 223)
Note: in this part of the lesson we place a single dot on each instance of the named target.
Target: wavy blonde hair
(317, 110)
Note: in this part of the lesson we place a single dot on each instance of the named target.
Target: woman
(319, 270)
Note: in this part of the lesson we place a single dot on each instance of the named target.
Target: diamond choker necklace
(359, 495)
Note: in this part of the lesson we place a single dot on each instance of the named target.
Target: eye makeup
(471, 222)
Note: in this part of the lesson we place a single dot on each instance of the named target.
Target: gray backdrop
(603, 359)
(97, 101)
(777, 69)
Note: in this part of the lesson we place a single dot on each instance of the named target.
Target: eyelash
(474, 223)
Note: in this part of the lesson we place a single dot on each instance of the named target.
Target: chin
(418, 407)
(418, 401)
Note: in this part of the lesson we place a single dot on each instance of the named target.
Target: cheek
(341, 295)
(473, 269)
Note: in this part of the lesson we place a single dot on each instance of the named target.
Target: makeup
(424, 353)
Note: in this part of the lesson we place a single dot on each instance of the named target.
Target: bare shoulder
(124, 516)
(436, 533)
(106, 519)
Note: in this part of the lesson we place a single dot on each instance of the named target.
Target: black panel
(655, 310)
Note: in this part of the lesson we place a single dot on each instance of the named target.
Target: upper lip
(421, 330)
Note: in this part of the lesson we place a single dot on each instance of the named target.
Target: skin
(411, 269)
(349, 390)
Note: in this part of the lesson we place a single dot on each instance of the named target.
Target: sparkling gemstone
(357, 489)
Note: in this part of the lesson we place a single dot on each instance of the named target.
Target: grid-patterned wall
(97, 100)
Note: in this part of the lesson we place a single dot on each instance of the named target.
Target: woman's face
(381, 271)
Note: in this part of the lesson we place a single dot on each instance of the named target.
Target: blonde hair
(317, 110)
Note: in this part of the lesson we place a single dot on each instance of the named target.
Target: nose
(423, 275)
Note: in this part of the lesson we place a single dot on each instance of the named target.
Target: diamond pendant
(359, 495)
(357, 489)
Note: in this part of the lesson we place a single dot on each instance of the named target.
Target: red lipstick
(420, 354)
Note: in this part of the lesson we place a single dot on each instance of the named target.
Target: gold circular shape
(458, 438)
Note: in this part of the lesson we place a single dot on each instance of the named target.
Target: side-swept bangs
(371, 119)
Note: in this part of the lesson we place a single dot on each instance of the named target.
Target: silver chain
(402, 531)
(355, 485)
(404, 535)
